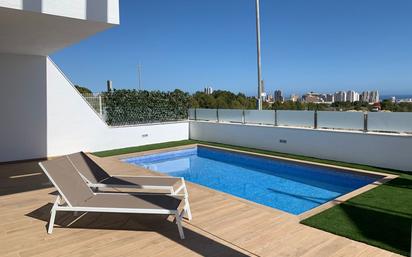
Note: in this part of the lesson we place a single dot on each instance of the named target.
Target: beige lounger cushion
(67, 180)
(97, 175)
(88, 168)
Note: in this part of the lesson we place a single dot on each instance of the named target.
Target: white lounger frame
(172, 191)
(66, 206)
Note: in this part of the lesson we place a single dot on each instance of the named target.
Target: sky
(307, 45)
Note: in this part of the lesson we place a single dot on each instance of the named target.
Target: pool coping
(385, 177)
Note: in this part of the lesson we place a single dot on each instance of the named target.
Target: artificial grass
(143, 148)
(379, 217)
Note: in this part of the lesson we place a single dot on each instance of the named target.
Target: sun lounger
(96, 177)
(76, 196)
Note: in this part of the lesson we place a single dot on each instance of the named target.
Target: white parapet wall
(390, 151)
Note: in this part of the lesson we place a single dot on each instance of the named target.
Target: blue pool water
(284, 185)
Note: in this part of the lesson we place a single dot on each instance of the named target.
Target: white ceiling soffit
(33, 33)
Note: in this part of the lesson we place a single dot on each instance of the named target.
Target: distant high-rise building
(264, 97)
(352, 96)
(269, 98)
(312, 98)
(374, 97)
(330, 98)
(109, 86)
(365, 97)
(294, 98)
(208, 90)
(370, 96)
(357, 97)
(278, 96)
(340, 96)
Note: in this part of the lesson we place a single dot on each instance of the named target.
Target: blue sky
(307, 45)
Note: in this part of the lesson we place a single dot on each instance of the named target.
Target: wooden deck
(222, 226)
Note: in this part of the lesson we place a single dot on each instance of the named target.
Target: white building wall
(23, 130)
(73, 125)
(380, 150)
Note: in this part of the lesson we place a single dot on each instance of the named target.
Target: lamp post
(259, 62)
(139, 76)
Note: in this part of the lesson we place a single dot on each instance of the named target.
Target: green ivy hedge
(128, 107)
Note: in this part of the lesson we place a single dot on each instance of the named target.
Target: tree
(83, 90)
(223, 100)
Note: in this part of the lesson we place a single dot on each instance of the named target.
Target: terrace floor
(222, 225)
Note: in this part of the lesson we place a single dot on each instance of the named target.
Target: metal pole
(100, 106)
(243, 117)
(139, 70)
(259, 62)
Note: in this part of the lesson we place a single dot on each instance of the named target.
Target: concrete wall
(381, 150)
(94, 10)
(23, 130)
(73, 125)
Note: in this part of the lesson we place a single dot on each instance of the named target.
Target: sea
(383, 97)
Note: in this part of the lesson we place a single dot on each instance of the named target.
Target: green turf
(379, 217)
(142, 148)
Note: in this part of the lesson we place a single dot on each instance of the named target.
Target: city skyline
(352, 95)
(326, 97)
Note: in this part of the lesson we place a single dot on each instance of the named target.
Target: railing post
(195, 113)
(315, 123)
(276, 118)
(100, 106)
(365, 122)
(243, 117)
(217, 114)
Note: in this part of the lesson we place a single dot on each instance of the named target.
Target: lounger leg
(188, 212)
(178, 219)
(53, 215)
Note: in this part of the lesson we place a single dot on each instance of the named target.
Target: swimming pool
(289, 186)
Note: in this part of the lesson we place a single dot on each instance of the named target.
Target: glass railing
(390, 122)
(265, 117)
(227, 115)
(341, 120)
(206, 114)
(356, 121)
(296, 118)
